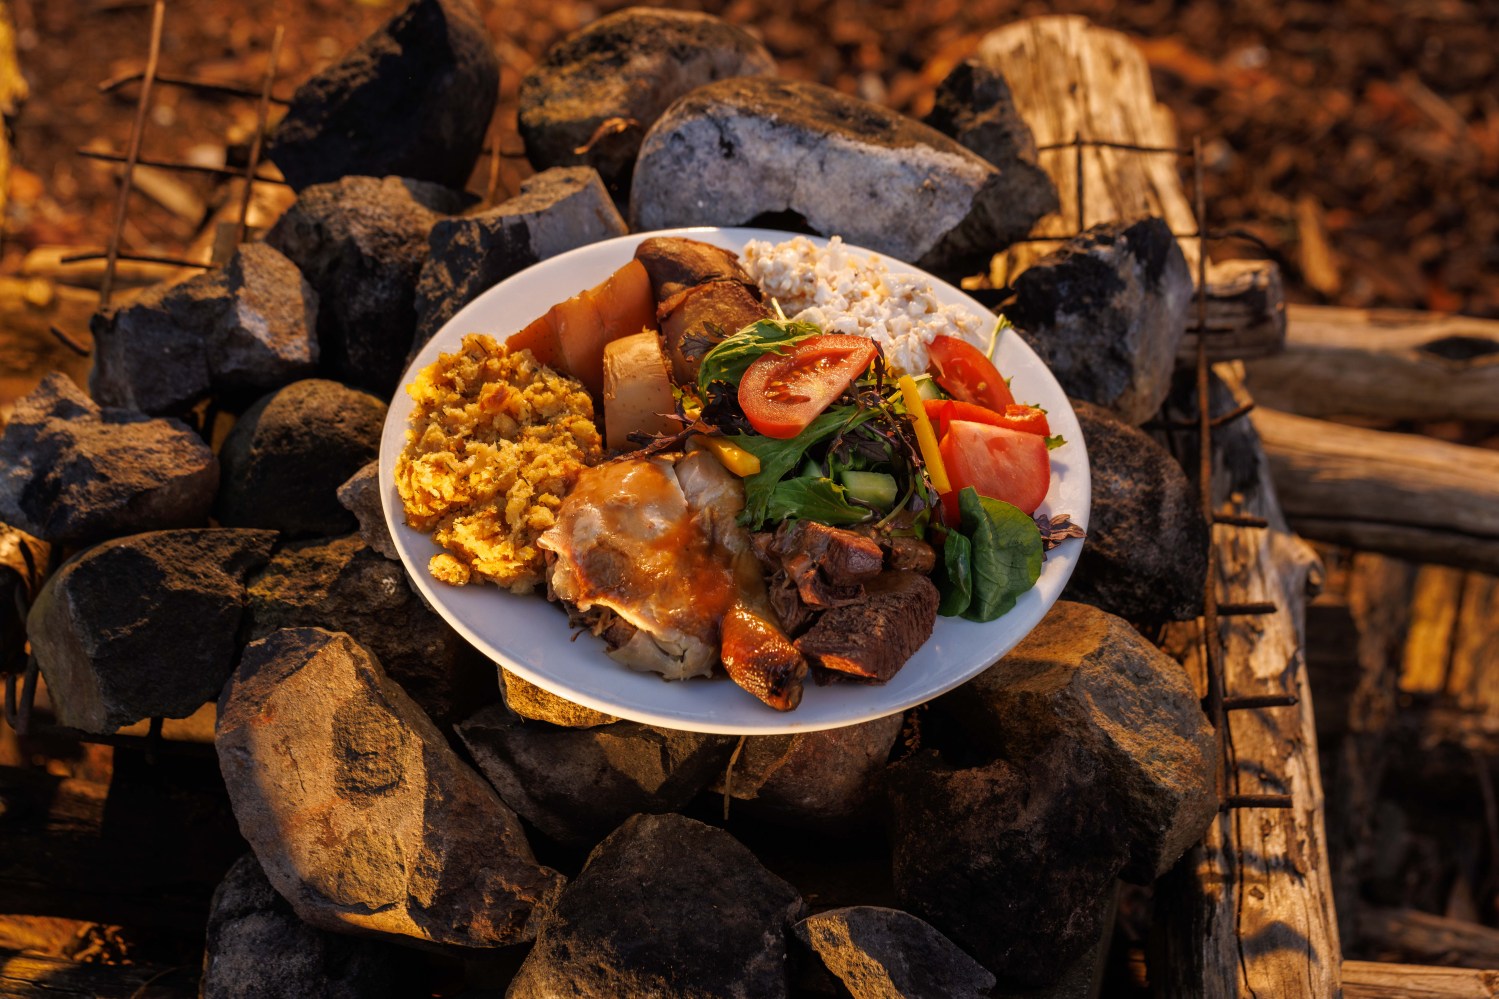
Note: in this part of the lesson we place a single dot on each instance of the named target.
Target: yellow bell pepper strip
(733, 457)
(926, 437)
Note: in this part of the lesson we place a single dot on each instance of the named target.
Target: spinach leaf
(729, 358)
(819, 499)
(954, 577)
(779, 457)
(1006, 553)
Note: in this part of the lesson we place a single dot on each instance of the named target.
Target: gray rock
(555, 211)
(539, 704)
(360, 495)
(144, 625)
(734, 150)
(665, 906)
(413, 100)
(361, 242)
(71, 472)
(821, 780)
(1146, 555)
(362, 817)
(1016, 864)
(974, 106)
(600, 89)
(1087, 678)
(879, 953)
(288, 454)
(249, 326)
(257, 948)
(575, 785)
(342, 585)
(1106, 312)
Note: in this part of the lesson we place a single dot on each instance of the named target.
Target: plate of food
(734, 480)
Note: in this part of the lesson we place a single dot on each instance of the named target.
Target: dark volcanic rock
(257, 948)
(600, 89)
(1087, 678)
(288, 454)
(413, 100)
(363, 818)
(556, 210)
(361, 242)
(342, 585)
(974, 106)
(1146, 554)
(539, 704)
(879, 953)
(71, 472)
(250, 326)
(821, 780)
(1015, 864)
(360, 495)
(1106, 312)
(737, 149)
(577, 784)
(665, 906)
(144, 625)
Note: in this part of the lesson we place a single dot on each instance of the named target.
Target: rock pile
(391, 786)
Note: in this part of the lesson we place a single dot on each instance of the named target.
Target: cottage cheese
(841, 291)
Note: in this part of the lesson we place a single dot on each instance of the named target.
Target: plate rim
(392, 440)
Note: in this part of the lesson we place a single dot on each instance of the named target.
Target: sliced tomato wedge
(782, 393)
(1027, 419)
(965, 373)
(998, 462)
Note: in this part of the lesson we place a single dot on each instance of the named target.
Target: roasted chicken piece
(702, 296)
(656, 540)
(676, 264)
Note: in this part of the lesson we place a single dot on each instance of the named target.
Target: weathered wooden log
(1409, 496)
(1250, 910)
(1382, 363)
(1411, 935)
(1377, 980)
(1070, 78)
(26, 976)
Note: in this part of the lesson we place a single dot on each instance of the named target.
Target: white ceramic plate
(530, 636)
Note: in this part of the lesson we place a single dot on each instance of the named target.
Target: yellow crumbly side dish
(496, 442)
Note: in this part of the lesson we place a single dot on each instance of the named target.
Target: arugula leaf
(954, 577)
(728, 359)
(778, 457)
(819, 499)
(1007, 553)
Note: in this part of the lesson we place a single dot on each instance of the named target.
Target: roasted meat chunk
(872, 639)
(676, 264)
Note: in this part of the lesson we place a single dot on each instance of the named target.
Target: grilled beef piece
(828, 565)
(901, 552)
(694, 321)
(676, 264)
(872, 639)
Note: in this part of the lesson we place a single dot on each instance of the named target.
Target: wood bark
(1250, 910)
(1401, 494)
(1382, 363)
(1423, 936)
(1377, 980)
(1071, 78)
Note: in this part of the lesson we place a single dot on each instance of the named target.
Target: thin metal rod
(1260, 701)
(1256, 801)
(1106, 144)
(1212, 650)
(1077, 140)
(202, 86)
(177, 166)
(1215, 422)
(139, 258)
(1239, 520)
(132, 153)
(70, 342)
(262, 112)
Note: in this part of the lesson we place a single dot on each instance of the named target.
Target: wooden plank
(1402, 494)
(1378, 980)
(1070, 77)
(1250, 910)
(1382, 363)
(1433, 616)
(1408, 934)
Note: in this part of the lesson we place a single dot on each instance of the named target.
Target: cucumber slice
(927, 387)
(875, 488)
(810, 470)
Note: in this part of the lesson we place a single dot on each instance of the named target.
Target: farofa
(496, 441)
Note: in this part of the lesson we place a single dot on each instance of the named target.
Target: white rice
(846, 292)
